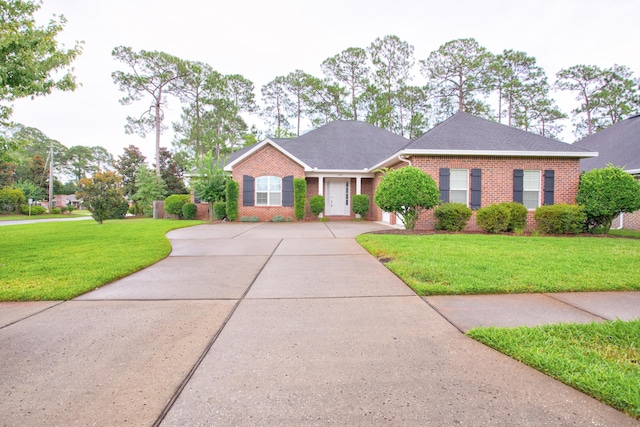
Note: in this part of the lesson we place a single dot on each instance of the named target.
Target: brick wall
(267, 161)
(497, 179)
(631, 221)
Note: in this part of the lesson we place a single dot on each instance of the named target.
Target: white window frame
(453, 182)
(269, 188)
(531, 186)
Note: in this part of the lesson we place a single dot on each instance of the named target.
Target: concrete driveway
(266, 324)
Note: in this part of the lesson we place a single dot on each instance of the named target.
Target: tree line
(374, 84)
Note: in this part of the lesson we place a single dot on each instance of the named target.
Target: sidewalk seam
(550, 295)
(207, 348)
(32, 314)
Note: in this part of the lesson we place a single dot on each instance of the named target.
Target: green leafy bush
(219, 210)
(63, 209)
(316, 204)
(560, 219)
(174, 203)
(407, 191)
(55, 211)
(189, 210)
(452, 216)
(605, 193)
(121, 210)
(360, 204)
(70, 208)
(232, 200)
(299, 197)
(253, 218)
(518, 215)
(35, 210)
(494, 218)
(277, 218)
(11, 199)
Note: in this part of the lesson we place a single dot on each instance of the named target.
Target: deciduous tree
(31, 62)
(102, 194)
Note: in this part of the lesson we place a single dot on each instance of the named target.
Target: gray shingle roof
(618, 144)
(464, 132)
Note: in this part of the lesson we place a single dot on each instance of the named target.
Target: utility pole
(51, 178)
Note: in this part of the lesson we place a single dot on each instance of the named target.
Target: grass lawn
(441, 264)
(600, 359)
(625, 233)
(75, 214)
(61, 260)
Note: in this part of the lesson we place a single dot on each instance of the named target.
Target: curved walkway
(267, 324)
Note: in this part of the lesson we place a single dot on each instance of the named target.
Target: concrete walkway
(279, 324)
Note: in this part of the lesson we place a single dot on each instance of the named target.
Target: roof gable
(467, 134)
(618, 144)
(345, 145)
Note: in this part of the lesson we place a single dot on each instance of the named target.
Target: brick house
(473, 160)
(619, 145)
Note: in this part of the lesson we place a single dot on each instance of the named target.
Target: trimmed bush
(452, 216)
(253, 218)
(518, 213)
(70, 208)
(63, 209)
(189, 210)
(494, 218)
(35, 210)
(560, 219)
(277, 218)
(299, 197)
(232, 200)
(316, 204)
(219, 210)
(360, 204)
(55, 211)
(174, 203)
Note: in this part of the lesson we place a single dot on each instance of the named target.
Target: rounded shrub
(71, 208)
(518, 215)
(219, 210)
(189, 210)
(360, 204)
(452, 216)
(55, 211)
(174, 203)
(494, 218)
(35, 210)
(316, 204)
(560, 219)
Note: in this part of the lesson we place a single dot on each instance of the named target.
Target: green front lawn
(441, 264)
(61, 260)
(18, 217)
(600, 359)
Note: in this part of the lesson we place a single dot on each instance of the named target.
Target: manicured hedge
(452, 216)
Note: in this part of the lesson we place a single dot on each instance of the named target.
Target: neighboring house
(619, 145)
(473, 160)
(63, 200)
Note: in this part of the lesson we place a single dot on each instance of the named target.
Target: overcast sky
(264, 39)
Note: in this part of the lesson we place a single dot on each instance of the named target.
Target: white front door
(337, 198)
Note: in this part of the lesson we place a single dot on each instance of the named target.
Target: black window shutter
(248, 190)
(287, 191)
(518, 185)
(444, 185)
(549, 181)
(476, 188)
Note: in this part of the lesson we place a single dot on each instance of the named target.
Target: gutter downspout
(404, 159)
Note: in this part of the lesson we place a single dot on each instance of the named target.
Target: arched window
(268, 191)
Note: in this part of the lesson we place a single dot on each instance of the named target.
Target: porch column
(320, 186)
(358, 185)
